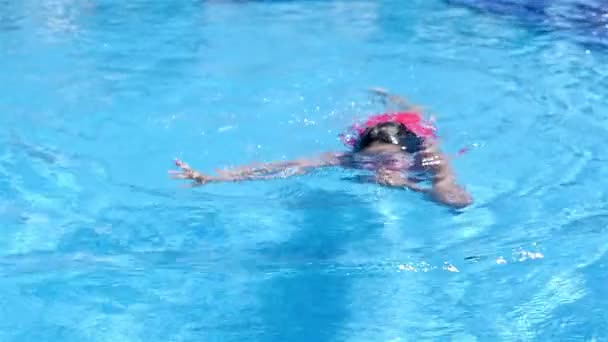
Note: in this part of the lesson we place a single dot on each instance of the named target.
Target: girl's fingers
(182, 165)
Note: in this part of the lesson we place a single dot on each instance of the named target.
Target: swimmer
(399, 148)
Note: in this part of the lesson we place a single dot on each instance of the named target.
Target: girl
(399, 148)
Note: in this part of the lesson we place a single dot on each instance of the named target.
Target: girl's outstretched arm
(258, 171)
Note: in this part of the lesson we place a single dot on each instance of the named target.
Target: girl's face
(387, 156)
(382, 148)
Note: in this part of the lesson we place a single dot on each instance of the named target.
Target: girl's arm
(391, 99)
(258, 172)
(444, 190)
(445, 186)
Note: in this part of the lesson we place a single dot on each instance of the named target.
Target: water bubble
(405, 267)
(450, 268)
(225, 128)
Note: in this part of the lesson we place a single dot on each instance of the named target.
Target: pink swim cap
(411, 120)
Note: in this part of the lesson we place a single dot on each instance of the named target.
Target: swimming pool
(98, 244)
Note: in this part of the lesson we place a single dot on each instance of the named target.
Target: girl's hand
(401, 102)
(187, 172)
(397, 179)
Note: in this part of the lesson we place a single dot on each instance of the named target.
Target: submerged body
(396, 148)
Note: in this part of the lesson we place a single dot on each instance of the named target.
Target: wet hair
(390, 133)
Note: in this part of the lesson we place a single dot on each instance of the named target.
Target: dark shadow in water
(529, 10)
(10, 16)
(585, 20)
(310, 302)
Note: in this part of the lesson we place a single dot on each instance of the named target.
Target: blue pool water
(98, 97)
